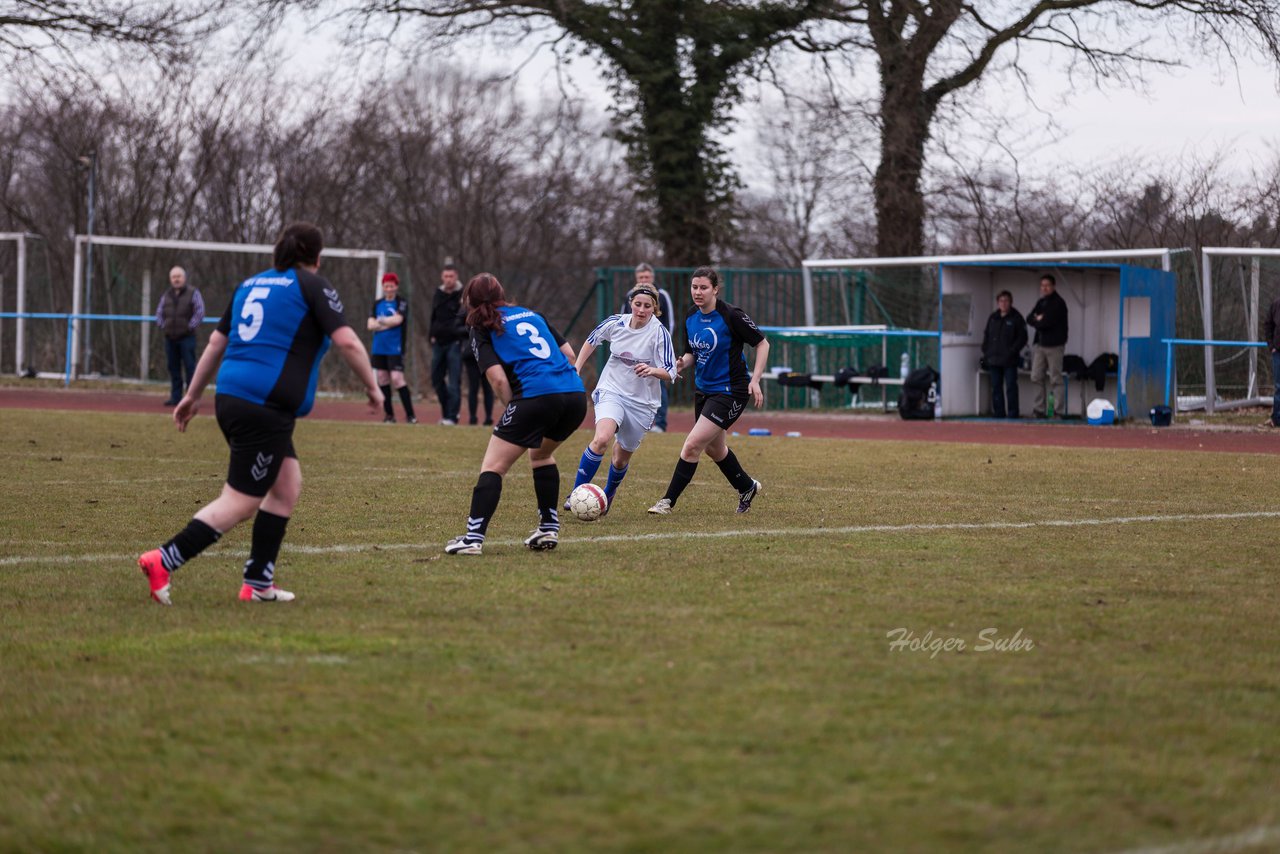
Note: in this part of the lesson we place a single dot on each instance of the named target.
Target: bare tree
(929, 52)
(675, 67)
(32, 28)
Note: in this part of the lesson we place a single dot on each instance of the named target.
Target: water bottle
(1049, 411)
(906, 366)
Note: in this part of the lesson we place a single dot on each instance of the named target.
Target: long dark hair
(483, 297)
(299, 243)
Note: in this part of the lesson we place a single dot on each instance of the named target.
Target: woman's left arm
(762, 357)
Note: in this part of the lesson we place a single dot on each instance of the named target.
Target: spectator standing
(1002, 344)
(389, 322)
(179, 315)
(447, 333)
(1049, 319)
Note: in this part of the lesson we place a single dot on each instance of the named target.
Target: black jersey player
(715, 333)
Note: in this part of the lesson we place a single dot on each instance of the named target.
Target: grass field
(705, 681)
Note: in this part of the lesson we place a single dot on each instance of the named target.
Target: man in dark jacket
(447, 333)
(1272, 328)
(1049, 319)
(1002, 344)
(179, 315)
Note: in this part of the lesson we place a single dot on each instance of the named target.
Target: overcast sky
(1200, 109)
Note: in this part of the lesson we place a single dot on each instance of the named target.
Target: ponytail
(299, 243)
(483, 297)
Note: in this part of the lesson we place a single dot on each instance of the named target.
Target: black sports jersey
(278, 326)
(716, 339)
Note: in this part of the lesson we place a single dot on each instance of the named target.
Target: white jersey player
(627, 397)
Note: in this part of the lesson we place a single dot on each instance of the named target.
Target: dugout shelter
(1114, 310)
(1115, 307)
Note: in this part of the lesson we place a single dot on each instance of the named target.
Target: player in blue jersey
(269, 344)
(389, 322)
(715, 334)
(530, 367)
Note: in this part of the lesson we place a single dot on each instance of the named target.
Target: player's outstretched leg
(587, 468)
(484, 502)
(612, 483)
(546, 486)
(746, 487)
(680, 478)
(158, 564)
(259, 569)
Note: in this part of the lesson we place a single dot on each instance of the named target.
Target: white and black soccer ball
(587, 502)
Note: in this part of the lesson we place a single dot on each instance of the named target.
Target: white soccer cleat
(541, 541)
(662, 508)
(271, 594)
(462, 546)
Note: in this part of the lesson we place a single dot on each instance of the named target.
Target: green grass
(661, 694)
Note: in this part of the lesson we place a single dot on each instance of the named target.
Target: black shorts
(260, 437)
(722, 409)
(528, 420)
(382, 362)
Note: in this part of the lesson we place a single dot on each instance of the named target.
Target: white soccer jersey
(650, 345)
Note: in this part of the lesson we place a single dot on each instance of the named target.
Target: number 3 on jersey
(253, 312)
(540, 347)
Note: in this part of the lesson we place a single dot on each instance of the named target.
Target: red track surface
(876, 427)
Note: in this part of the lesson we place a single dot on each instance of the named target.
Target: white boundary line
(1256, 838)
(350, 548)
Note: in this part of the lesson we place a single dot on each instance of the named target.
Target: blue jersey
(529, 351)
(716, 339)
(390, 342)
(278, 326)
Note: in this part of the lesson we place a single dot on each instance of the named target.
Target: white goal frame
(78, 295)
(1207, 254)
(20, 238)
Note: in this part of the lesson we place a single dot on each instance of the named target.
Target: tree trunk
(675, 156)
(898, 197)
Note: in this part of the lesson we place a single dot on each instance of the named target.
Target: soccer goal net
(1238, 287)
(102, 325)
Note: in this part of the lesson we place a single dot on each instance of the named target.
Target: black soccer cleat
(745, 498)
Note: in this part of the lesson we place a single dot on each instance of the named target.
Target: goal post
(132, 263)
(1237, 285)
(19, 307)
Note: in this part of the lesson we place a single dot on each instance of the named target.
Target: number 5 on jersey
(540, 347)
(253, 312)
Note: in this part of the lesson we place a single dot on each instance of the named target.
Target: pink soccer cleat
(271, 594)
(157, 576)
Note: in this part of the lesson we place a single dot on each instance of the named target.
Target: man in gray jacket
(179, 315)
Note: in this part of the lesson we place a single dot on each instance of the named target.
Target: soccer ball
(587, 502)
